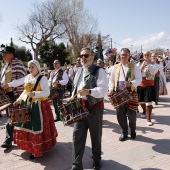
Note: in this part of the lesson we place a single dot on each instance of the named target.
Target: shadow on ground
(160, 145)
(60, 158)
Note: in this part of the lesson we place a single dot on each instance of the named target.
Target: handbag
(22, 114)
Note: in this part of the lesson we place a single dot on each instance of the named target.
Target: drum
(4, 100)
(120, 98)
(19, 115)
(53, 93)
(73, 111)
(134, 102)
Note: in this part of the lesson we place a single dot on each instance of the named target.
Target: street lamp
(115, 44)
(111, 42)
(131, 48)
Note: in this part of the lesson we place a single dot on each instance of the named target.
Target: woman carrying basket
(39, 135)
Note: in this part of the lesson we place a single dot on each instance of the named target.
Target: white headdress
(36, 63)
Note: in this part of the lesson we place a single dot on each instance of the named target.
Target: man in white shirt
(58, 78)
(125, 74)
(91, 85)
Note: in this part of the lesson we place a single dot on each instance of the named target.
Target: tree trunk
(36, 52)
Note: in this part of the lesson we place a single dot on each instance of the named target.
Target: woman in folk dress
(39, 135)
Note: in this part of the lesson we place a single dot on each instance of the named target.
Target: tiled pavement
(149, 151)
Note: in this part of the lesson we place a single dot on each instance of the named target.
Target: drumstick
(77, 93)
(72, 98)
(118, 86)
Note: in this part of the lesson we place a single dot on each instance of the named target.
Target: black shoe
(123, 137)
(6, 145)
(156, 103)
(133, 135)
(32, 157)
(96, 165)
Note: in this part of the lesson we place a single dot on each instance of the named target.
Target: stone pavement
(149, 151)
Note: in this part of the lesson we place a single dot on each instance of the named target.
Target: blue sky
(131, 23)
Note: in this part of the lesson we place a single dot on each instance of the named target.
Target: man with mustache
(91, 85)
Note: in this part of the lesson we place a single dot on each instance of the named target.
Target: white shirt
(153, 68)
(45, 90)
(64, 80)
(102, 84)
(109, 71)
(71, 72)
(161, 68)
(137, 76)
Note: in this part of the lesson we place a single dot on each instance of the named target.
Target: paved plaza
(149, 151)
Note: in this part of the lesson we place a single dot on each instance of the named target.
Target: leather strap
(4, 71)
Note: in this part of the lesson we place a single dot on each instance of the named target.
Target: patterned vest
(15, 70)
(117, 68)
(91, 82)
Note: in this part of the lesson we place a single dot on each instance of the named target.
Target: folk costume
(120, 73)
(94, 103)
(14, 74)
(162, 80)
(39, 135)
(145, 90)
(61, 77)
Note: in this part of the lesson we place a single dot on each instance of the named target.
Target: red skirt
(38, 142)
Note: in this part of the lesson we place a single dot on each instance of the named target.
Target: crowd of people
(90, 83)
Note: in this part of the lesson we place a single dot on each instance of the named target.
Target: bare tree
(80, 26)
(45, 21)
(159, 50)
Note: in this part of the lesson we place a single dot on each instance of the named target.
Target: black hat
(8, 49)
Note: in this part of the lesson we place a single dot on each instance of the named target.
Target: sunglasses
(55, 63)
(84, 55)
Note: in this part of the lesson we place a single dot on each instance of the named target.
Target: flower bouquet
(111, 53)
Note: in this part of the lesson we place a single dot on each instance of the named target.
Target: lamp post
(111, 42)
(131, 48)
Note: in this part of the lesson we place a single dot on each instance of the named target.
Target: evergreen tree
(50, 52)
(99, 48)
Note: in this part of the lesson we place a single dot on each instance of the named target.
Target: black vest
(90, 81)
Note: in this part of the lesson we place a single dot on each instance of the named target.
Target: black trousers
(93, 123)
(124, 113)
(156, 86)
(57, 102)
(9, 128)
